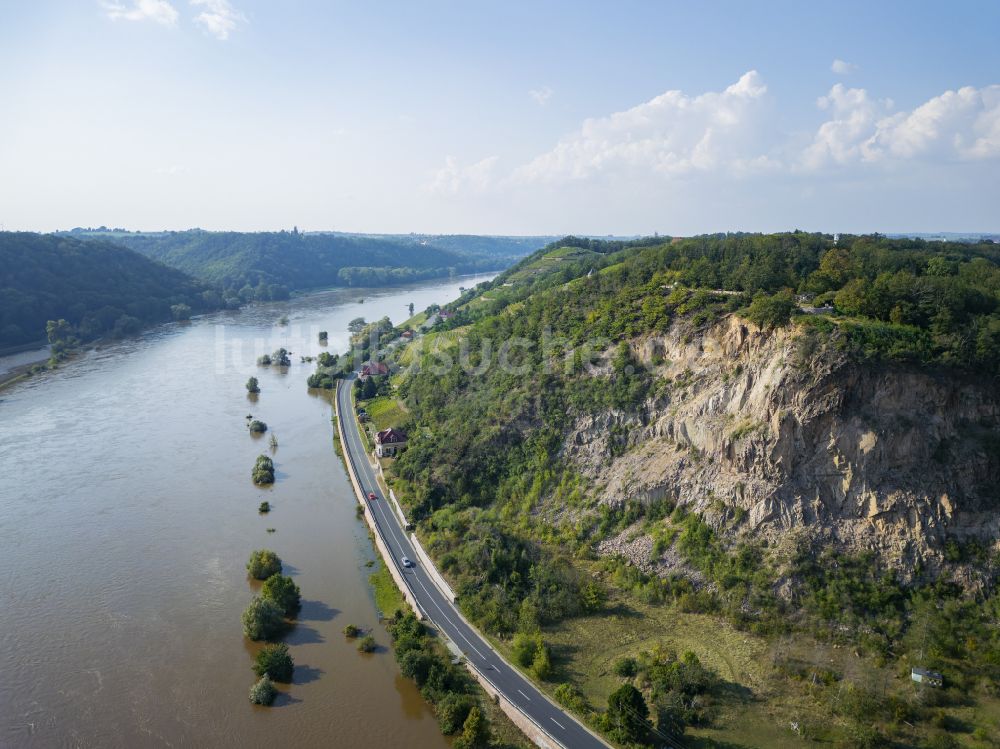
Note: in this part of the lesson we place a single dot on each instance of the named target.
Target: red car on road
(371, 496)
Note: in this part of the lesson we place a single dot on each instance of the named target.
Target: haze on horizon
(499, 118)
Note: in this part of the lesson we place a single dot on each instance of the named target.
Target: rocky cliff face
(777, 434)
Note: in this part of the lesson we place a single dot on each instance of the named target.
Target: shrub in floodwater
(264, 361)
(257, 426)
(281, 357)
(367, 644)
(253, 386)
(263, 692)
(263, 563)
(283, 591)
(263, 619)
(264, 507)
(274, 662)
(352, 630)
(263, 471)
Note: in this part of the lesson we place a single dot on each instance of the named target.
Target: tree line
(96, 288)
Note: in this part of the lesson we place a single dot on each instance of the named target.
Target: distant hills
(114, 282)
(98, 287)
(947, 236)
(269, 265)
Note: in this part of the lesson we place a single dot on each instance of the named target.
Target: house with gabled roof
(390, 442)
(373, 369)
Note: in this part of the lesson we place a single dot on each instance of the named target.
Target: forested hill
(768, 441)
(99, 288)
(270, 264)
(903, 299)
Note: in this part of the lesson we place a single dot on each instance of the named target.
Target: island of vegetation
(263, 471)
(267, 617)
(263, 563)
(274, 662)
(263, 692)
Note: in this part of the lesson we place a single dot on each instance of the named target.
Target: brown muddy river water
(126, 518)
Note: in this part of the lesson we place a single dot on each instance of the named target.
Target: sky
(541, 117)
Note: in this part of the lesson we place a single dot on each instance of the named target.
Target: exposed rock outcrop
(787, 434)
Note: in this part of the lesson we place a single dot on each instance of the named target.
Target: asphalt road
(562, 727)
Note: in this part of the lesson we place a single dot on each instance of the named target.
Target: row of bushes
(266, 618)
(442, 683)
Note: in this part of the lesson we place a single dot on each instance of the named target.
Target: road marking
(448, 619)
(525, 696)
(556, 722)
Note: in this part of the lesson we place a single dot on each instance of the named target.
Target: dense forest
(905, 299)
(269, 265)
(514, 526)
(97, 287)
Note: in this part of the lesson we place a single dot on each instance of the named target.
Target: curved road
(560, 726)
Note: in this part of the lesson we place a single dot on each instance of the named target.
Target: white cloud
(454, 178)
(841, 67)
(678, 141)
(219, 18)
(673, 133)
(962, 124)
(159, 11)
(844, 136)
(541, 95)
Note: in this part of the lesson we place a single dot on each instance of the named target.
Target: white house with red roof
(389, 442)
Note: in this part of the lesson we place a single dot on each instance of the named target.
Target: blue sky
(500, 117)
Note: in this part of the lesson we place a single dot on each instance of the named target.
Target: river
(126, 518)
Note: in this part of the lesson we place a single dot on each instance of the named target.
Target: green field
(387, 596)
(385, 412)
(415, 322)
(758, 704)
(428, 342)
(550, 260)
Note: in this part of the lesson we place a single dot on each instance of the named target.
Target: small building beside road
(390, 442)
(373, 369)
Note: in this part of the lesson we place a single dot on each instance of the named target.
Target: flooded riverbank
(127, 514)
